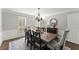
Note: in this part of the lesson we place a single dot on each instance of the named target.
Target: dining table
(48, 37)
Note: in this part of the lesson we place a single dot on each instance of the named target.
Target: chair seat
(38, 43)
(52, 44)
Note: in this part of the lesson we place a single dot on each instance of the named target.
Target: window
(21, 24)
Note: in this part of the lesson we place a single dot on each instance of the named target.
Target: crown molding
(15, 12)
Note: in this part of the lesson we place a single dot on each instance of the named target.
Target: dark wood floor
(5, 45)
(73, 46)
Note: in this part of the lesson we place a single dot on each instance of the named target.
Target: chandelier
(38, 18)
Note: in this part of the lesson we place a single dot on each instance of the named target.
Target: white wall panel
(0, 26)
(73, 25)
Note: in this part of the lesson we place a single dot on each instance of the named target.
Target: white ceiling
(43, 11)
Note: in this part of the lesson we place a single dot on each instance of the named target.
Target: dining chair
(58, 45)
(38, 43)
(27, 34)
(28, 37)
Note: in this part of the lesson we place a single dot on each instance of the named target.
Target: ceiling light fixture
(38, 16)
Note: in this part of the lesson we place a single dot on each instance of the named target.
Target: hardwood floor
(73, 46)
(5, 45)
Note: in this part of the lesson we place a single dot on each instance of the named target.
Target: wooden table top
(47, 37)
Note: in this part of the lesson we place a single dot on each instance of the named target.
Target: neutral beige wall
(61, 18)
(73, 26)
(10, 23)
(0, 26)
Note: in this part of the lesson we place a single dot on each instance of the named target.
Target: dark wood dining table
(47, 37)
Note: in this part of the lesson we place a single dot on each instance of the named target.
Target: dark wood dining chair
(38, 43)
(28, 37)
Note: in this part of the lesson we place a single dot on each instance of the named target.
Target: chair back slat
(63, 38)
(37, 38)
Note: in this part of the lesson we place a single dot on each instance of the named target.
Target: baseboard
(16, 38)
(72, 45)
(9, 34)
(72, 42)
